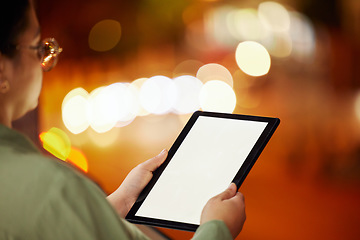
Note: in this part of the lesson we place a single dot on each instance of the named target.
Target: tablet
(213, 150)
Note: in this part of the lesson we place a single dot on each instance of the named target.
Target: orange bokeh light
(78, 158)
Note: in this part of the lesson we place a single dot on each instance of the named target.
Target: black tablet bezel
(238, 179)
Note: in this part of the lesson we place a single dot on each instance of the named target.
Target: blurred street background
(306, 183)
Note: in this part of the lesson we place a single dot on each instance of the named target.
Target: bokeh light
(253, 58)
(105, 35)
(244, 24)
(78, 158)
(188, 88)
(158, 95)
(303, 36)
(278, 44)
(187, 67)
(214, 71)
(102, 114)
(123, 100)
(217, 96)
(56, 142)
(216, 29)
(137, 84)
(75, 110)
(103, 139)
(274, 16)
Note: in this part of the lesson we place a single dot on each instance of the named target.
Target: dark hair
(13, 22)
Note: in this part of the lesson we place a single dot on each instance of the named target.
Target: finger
(240, 196)
(229, 192)
(153, 163)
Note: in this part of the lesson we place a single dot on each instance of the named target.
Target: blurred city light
(118, 104)
(302, 34)
(244, 24)
(283, 33)
(253, 58)
(214, 71)
(216, 26)
(137, 84)
(158, 95)
(217, 96)
(102, 114)
(78, 158)
(187, 67)
(105, 35)
(188, 89)
(75, 110)
(56, 142)
(123, 101)
(278, 44)
(274, 16)
(103, 139)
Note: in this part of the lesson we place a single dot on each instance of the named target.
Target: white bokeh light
(244, 24)
(136, 86)
(188, 88)
(253, 58)
(158, 95)
(217, 96)
(124, 100)
(302, 34)
(274, 16)
(214, 71)
(102, 110)
(74, 110)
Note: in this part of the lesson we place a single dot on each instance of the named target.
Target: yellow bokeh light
(253, 58)
(214, 71)
(75, 111)
(217, 96)
(56, 142)
(188, 88)
(77, 158)
(274, 16)
(105, 35)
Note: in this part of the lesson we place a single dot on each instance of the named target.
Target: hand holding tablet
(228, 206)
(213, 150)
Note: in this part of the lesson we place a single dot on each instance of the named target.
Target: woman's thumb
(229, 192)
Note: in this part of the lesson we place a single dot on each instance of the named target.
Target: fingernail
(162, 152)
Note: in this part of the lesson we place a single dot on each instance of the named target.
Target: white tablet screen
(203, 166)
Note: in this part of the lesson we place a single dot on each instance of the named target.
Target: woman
(41, 198)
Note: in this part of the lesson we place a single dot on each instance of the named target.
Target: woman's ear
(4, 83)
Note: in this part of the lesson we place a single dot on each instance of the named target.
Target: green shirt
(43, 198)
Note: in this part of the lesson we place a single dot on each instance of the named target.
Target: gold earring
(4, 87)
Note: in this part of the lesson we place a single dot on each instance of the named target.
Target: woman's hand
(125, 196)
(228, 206)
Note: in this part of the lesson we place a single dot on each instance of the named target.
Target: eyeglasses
(48, 52)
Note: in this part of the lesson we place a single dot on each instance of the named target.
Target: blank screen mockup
(203, 166)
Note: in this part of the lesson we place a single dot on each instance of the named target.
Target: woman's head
(13, 21)
(20, 70)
